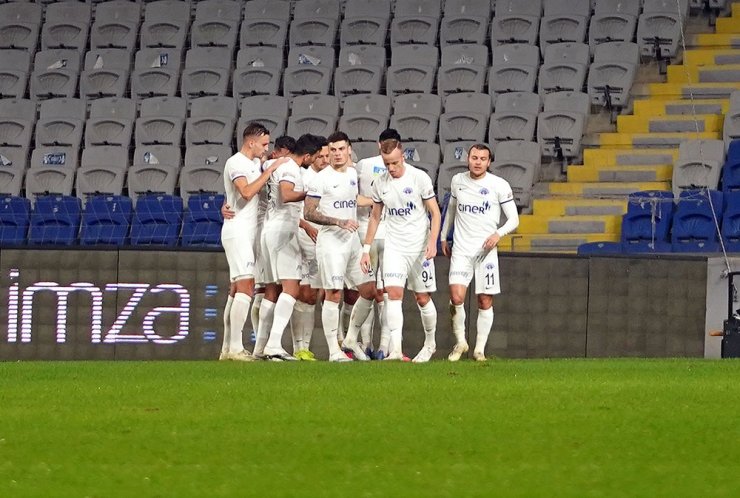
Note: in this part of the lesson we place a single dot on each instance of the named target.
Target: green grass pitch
(504, 428)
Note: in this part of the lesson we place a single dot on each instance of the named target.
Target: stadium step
(671, 91)
(651, 107)
(669, 124)
(579, 207)
(547, 242)
(708, 57)
(623, 173)
(604, 189)
(618, 157)
(727, 25)
(654, 139)
(536, 223)
(722, 40)
(724, 73)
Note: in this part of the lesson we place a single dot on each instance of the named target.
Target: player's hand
(491, 241)
(349, 225)
(365, 262)
(226, 212)
(277, 162)
(312, 232)
(446, 248)
(431, 250)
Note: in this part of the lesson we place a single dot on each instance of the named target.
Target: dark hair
(338, 136)
(389, 133)
(481, 147)
(285, 142)
(323, 142)
(255, 129)
(307, 144)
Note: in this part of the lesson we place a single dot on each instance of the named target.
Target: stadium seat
(564, 68)
(646, 225)
(268, 110)
(258, 71)
(698, 165)
(207, 72)
(105, 73)
(157, 220)
(413, 69)
(731, 128)
(731, 169)
(365, 117)
(15, 65)
(20, 25)
(612, 73)
(161, 121)
(265, 23)
(59, 157)
(361, 70)
(599, 248)
(315, 22)
(613, 22)
(659, 27)
(158, 154)
(55, 220)
(209, 158)
(518, 162)
(516, 25)
(564, 21)
(156, 72)
(561, 125)
(116, 25)
(102, 171)
(316, 114)
(196, 179)
(55, 74)
(444, 179)
(49, 180)
(530, 8)
(11, 179)
(731, 221)
(151, 179)
(695, 222)
(66, 26)
(61, 123)
(202, 225)
(17, 120)
(216, 24)
(416, 116)
(365, 22)
(515, 117)
(463, 69)
(166, 24)
(15, 214)
(211, 121)
(465, 21)
(106, 220)
(425, 155)
(465, 118)
(514, 69)
(111, 122)
(416, 22)
(310, 70)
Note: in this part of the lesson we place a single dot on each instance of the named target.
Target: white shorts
(484, 267)
(339, 264)
(309, 265)
(240, 256)
(281, 256)
(413, 271)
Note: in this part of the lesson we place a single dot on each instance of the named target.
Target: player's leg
(302, 323)
(422, 280)
(227, 322)
(461, 273)
(240, 255)
(270, 295)
(331, 269)
(381, 299)
(366, 331)
(365, 285)
(486, 286)
(396, 268)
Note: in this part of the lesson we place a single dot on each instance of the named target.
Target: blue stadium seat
(106, 220)
(202, 226)
(647, 223)
(14, 220)
(731, 221)
(55, 220)
(731, 171)
(694, 228)
(157, 220)
(605, 248)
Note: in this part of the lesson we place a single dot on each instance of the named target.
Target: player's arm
(364, 201)
(433, 209)
(288, 194)
(311, 213)
(372, 228)
(249, 189)
(309, 229)
(512, 221)
(448, 224)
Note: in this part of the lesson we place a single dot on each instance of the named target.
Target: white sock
(485, 322)
(457, 314)
(302, 313)
(330, 322)
(227, 324)
(360, 311)
(344, 319)
(280, 319)
(255, 314)
(394, 313)
(429, 322)
(385, 335)
(366, 331)
(309, 321)
(239, 313)
(267, 309)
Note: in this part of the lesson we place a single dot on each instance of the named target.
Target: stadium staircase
(640, 153)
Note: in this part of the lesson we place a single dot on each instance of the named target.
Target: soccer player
(408, 197)
(304, 311)
(280, 249)
(368, 169)
(331, 202)
(476, 201)
(243, 180)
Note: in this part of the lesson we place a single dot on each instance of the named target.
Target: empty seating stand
(647, 223)
(157, 220)
(695, 222)
(202, 225)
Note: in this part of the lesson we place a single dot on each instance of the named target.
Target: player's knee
(485, 301)
(422, 298)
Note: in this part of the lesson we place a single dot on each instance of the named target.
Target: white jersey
(308, 175)
(407, 223)
(263, 202)
(246, 212)
(367, 171)
(337, 194)
(478, 210)
(283, 215)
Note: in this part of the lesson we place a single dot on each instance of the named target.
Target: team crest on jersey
(408, 191)
(352, 183)
(484, 191)
(490, 266)
(425, 264)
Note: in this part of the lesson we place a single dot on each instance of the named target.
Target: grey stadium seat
(11, 181)
(529, 8)
(444, 177)
(166, 24)
(561, 125)
(463, 69)
(731, 130)
(143, 179)
(20, 25)
(613, 21)
(106, 73)
(515, 117)
(365, 117)
(564, 21)
(465, 118)
(416, 22)
(413, 69)
(310, 70)
(265, 23)
(305, 105)
(198, 179)
(416, 116)
(158, 154)
(211, 121)
(424, 155)
(111, 122)
(258, 71)
(465, 21)
(316, 114)
(365, 22)
(518, 162)
(17, 119)
(514, 69)
(699, 165)
(14, 158)
(63, 157)
(361, 70)
(15, 65)
(659, 27)
(61, 122)
(315, 22)
(49, 180)
(156, 72)
(55, 74)
(216, 24)
(612, 73)
(116, 25)
(514, 28)
(271, 111)
(207, 155)
(207, 72)
(66, 26)
(267, 9)
(564, 69)
(161, 121)
(102, 171)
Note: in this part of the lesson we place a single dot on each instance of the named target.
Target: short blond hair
(389, 145)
